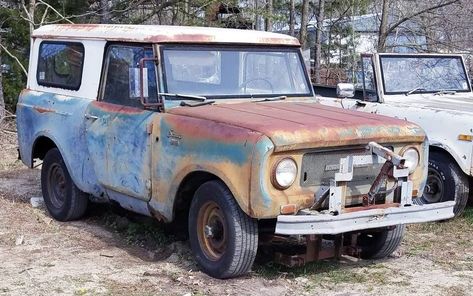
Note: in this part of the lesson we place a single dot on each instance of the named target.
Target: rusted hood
(300, 125)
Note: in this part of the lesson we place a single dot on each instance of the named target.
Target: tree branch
(404, 19)
(44, 16)
(15, 58)
(55, 11)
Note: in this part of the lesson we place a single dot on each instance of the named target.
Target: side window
(122, 76)
(368, 80)
(60, 64)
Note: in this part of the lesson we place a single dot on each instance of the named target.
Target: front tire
(379, 244)
(445, 181)
(64, 201)
(223, 238)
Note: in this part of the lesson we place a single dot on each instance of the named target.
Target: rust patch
(116, 108)
(162, 34)
(293, 126)
(371, 207)
(189, 38)
(43, 110)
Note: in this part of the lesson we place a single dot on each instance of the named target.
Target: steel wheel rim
(369, 239)
(434, 188)
(57, 186)
(211, 231)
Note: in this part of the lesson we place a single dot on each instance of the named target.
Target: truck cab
(217, 130)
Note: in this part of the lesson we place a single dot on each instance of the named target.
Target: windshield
(232, 72)
(402, 74)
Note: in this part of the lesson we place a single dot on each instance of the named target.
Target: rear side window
(60, 64)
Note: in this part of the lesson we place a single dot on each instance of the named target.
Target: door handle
(90, 117)
(360, 103)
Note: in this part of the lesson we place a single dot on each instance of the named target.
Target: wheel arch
(450, 153)
(45, 142)
(41, 145)
(188, 186)
(440, 149)
(462, 183)
(186, 190)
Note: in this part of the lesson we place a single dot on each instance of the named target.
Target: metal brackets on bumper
(375, 218)
(338, 220)
(392, 165)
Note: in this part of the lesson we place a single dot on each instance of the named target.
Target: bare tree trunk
(318, 39)
(292, 17)
(268, 20)
(104, 12)
(304, 22)
(257, 17)
(2, 100)
(383, 27)
(186, 13)
(427, 28)
(31, 9)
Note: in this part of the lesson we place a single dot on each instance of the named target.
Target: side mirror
(345, 90)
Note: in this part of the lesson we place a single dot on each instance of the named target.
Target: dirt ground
(112, 252)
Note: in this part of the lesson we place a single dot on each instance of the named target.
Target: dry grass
(8, 142)
(8, 151)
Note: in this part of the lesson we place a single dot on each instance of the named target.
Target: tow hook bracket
(392, 168)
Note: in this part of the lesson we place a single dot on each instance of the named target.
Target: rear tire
(380, 244)
(223, 238)
(445, 181)
(63, 199)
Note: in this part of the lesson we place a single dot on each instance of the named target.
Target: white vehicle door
(366, 94)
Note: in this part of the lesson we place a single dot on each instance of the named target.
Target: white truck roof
(162, 34)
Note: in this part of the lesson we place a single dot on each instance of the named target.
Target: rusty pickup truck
(218, 130)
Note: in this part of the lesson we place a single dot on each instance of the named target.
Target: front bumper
(361, 220)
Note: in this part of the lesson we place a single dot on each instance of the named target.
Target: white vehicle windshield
(234, 72)
(423, 74)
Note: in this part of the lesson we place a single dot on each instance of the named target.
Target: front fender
(189, 145)
(442, 128)
(460, 160)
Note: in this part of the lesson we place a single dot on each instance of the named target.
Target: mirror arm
(142, 97)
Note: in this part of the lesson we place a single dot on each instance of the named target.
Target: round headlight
(284, 174)
(412, 159)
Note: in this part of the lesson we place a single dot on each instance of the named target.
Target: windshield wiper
(445, 92)
(278, 98)
(414, 90)
(185, 97)
(201, 103)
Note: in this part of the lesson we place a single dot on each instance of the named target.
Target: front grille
(319, 167)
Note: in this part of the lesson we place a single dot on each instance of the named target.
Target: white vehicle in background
(432, 90)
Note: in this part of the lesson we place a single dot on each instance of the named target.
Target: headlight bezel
(274, 179)
(403, 154)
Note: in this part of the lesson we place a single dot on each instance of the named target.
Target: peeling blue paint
(40, 114)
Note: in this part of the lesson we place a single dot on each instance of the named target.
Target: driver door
(368, 80)
(119, 127)
(366, 94)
